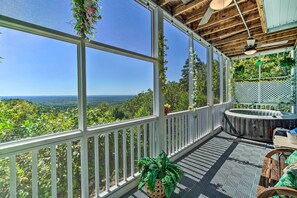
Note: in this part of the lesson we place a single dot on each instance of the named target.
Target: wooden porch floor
(221, 167)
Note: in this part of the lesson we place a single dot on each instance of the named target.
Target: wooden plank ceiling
(225, 29)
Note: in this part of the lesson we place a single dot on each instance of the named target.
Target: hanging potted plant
(239, 70)
(287, 62)
(86, 13)
(159, 175)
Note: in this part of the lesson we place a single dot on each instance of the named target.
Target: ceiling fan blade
(273, 44)
(206, 16)
(231, 34)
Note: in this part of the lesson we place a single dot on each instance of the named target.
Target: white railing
(58, 161)
(218, 110)
(201, 122)
(100, 160)
(177, 131)
(185, 127)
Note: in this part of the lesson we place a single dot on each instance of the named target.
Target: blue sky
(35, 65)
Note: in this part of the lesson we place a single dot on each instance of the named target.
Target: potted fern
(159, 175)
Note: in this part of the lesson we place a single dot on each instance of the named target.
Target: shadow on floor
(220, 167)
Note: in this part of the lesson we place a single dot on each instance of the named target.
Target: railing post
(82, 116)
(293, 91)
(191, 84)
(209, 88)
(157, 25)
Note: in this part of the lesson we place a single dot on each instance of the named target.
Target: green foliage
(287, 62)
(21, 119)
(176, 96)
(159, 168)
(143, 100)
(86, 13)
(272, 65)
(199, 78)
(216, 80)
(245, 69)
(161, 60)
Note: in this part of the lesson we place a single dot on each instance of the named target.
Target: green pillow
(292, 158)
(289, 179)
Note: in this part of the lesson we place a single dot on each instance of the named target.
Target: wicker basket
(159, 190)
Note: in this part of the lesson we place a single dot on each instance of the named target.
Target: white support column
(221, 79)
(295, 78)
(82, 93)
(229, 81)
(82, 116)
(209, 87)
(191, 68)
(191, 84)
(259, 84)
(226, 78)
(157, 25)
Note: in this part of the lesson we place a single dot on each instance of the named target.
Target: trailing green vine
(162, 61)
(86, 13)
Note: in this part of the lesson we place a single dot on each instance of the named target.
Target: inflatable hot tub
(256, 124)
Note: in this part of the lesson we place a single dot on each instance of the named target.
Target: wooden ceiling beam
(230, 41)
(232, 32)
(163, 2)
(230, 24)
(216, 14)
(262, 15)
(242, 34)
(197, 4)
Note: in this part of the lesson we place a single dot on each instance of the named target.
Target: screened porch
(79, 111)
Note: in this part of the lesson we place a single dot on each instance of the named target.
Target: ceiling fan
(251, 47)
(215, 5)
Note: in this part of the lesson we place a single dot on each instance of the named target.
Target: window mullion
(82, 116)
(82, 93)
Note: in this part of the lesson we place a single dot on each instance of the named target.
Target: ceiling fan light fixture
(250, 50)
(219, 4)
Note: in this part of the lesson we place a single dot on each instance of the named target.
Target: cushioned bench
(272, 170)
